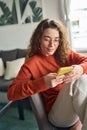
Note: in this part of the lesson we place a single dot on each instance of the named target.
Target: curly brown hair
(62, 50)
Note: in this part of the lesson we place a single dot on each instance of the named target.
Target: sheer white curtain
(63, 11)
(67, 20)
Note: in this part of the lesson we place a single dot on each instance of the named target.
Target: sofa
(10, 63)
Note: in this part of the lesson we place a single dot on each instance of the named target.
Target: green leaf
(22, 4)
(14, 13)
(28, 19)
(6, 13)
(37, 19)
(5, 9)
(37, 11)
(32, 4)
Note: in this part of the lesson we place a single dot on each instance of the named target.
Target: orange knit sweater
(30, 77)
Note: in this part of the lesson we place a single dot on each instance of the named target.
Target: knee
(80, 95)
(80, 92)
(80, 86)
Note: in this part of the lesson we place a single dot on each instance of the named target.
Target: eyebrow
(50, 37)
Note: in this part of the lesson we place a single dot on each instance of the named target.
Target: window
(78, 18)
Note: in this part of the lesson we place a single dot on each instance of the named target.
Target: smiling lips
(50, 50)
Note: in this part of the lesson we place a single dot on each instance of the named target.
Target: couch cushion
(8, 55)
(2, 69)
(21, 53)
(13, 67)
(4, 84)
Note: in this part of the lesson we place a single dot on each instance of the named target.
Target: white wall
(17, 36)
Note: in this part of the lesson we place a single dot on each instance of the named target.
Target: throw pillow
(8, 55)
(2, 69)
(12, 68)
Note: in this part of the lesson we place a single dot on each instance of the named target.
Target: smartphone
(64, 70)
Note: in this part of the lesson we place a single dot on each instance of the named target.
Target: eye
(57, 40)
(47, 39)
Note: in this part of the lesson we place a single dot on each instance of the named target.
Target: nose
(51, 42)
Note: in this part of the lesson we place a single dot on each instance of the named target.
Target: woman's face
(49, 41)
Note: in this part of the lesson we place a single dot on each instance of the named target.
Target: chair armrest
(39, 111)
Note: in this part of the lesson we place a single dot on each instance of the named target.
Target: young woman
(65, 96)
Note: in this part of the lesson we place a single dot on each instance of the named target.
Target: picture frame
(20, 11)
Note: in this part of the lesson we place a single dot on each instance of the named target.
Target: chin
(50, 53)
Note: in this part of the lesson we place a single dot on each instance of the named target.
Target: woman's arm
(24, 86)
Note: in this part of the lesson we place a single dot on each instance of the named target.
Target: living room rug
(11, 121)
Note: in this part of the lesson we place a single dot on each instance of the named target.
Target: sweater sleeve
(24, 85)
(78, 59)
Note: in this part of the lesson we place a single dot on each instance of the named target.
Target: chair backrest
(39, 111)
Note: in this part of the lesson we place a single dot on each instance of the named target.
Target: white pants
(71, 104)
